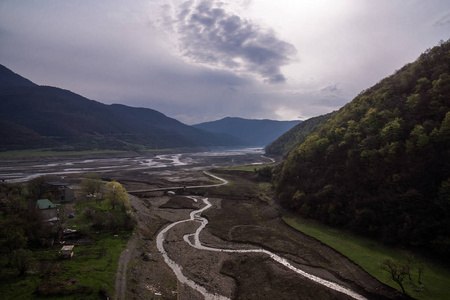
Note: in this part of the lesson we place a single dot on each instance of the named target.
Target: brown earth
(238, 218)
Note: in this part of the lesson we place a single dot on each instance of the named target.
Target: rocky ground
(236, 221)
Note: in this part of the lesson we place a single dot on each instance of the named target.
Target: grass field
(370, 254)
(248, 168)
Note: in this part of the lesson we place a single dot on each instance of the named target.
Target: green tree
(392, 130)
(22, 259)
(14, 238)
(115, 194)
(91, 184)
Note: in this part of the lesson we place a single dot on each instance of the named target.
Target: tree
(14, 238)
(22, 259)
(115, 194)
(420, 271)
(91, 184)
(396, 271)
(36, 187)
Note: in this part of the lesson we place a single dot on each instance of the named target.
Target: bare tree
(396, 271)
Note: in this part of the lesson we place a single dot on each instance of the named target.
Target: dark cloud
(443, 20)
(331, 89)
(210, 34)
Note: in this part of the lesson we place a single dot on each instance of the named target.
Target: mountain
(255, 132)
(296, 135)
(33, 116)
(8, 78)
(380, 166)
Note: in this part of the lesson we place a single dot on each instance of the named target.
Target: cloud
(331, 89)
(211, 35)
(444, 20)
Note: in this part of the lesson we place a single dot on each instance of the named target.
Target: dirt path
(127, 255)
(121, 277)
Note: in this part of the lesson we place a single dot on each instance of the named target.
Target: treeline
(380, 166)
(296, 135)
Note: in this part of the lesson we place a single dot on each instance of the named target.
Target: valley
(218, 237)
(229, 242)
(225, 150)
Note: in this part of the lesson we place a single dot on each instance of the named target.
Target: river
(21, 170)
(195, 216)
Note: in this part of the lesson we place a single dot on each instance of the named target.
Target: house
(48, 210)
(67, 251)
(61, 191)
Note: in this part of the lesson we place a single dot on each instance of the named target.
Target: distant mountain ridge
(255, 132)
(33, 116)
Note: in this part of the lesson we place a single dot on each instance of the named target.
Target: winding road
(195, 216)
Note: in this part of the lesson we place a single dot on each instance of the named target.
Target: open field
(370, 254)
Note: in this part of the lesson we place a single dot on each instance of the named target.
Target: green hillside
(296, 135)
(380, 166)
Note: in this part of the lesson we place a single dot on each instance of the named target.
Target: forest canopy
(380, 166)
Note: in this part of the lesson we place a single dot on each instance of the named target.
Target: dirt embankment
(233, 223)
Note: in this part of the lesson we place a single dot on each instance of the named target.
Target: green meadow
(370, 254)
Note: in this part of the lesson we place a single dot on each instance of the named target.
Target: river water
(14, 170)
(195, 216)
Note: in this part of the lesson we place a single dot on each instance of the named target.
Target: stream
(195, 216)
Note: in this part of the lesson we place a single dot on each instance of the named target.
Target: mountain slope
(295, 136)
(255, 132)
(380, 166)
(52, 117)
(9, 78)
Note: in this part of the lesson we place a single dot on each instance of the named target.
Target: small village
(52, 228)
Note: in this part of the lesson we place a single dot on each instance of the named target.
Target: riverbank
(240, 220)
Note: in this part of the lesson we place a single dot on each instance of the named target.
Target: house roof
(45, 204)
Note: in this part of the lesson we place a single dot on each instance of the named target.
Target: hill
(8, 78)
(34, 116)
(380, 166)
(295, 136)
(255, 132)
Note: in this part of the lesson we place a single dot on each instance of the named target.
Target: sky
(199, 61)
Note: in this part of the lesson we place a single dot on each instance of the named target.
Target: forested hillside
(296, 135)
(380, 166)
